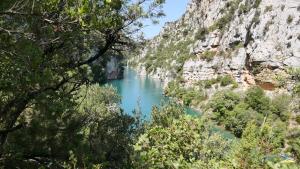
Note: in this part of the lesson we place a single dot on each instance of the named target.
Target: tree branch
(19, 126)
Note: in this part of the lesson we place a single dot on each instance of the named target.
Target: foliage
(280, 106)
(189, 96)
(234, 111)
(257, 144)
(296, 89)
(238, 118)
(243, 9)
(165, 115)
(298, 119)
(226, 80)
(268, 8)
(184, 142)
(294, 143)
(201, 33)
(267, 26)
(208, 55)
(227, 17)
(188, 142)
(222, 103)
(289, 20)
(97, 132)
(295, 73)
(48, 50)
(256, 99)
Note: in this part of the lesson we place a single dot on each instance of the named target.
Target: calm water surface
(140, 91)
(144, 92)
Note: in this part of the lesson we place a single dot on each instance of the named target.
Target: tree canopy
(47, 48)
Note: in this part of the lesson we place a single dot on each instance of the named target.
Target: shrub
(185, 142)
(235, 85)
(243, 9)
(225, 20)
(208, 55)
(165, 36)
(256, 4)
(255, 19)
(208, 84)
(268, 8)
(267, 26)
(289, 20)
(226, 80)
(257, 100)
(201, 33)
(296, 89)
(298, 119)
(239, 117)
(280, 106)
(295, 73)
(185, 32)
(222, 103)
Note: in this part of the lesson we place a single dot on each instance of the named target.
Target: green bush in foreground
(187, 142)
(233, 111)
(183, 142)
(257, 100)
(226, 80)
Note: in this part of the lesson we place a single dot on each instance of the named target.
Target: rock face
(254, 41)
(114, 68)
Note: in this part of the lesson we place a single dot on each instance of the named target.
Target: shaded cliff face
(254, 41)
(114, 68)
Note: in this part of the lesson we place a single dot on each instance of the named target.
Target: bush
(208, 83)
(185, 32)
(267, 26)
(295, 73)
(257, 100)
(222, 103)
(185, 142)
(289, 20)
(296, 89)
(256, 4)
(208, 55)
(239, 117)
(243, 9)
(226, 80)
(201, 33)
(298, 119)
(268, 8)
(280, 106)
(165, 36)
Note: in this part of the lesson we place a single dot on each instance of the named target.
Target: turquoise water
(140, 91)
(143, 92)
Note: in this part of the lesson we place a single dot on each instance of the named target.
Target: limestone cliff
(114, 68)
(254, 41)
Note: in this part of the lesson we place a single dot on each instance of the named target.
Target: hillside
(252, 41)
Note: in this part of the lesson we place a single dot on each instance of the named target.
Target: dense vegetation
(176, 140)
(54, 113)
(49, 51)
(234, 111)
(194, 95)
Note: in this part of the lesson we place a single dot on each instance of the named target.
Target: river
(141, 91)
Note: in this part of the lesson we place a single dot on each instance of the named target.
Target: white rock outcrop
(258, 36)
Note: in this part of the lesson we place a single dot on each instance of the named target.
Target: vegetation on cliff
(55, 114)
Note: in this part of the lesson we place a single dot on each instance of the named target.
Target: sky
(173, 9)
